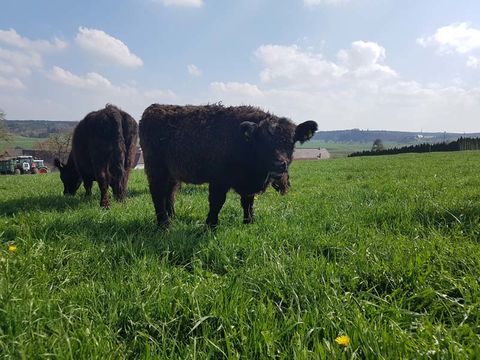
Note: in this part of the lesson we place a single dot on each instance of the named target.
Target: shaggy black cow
(104, 144)
(241, 148)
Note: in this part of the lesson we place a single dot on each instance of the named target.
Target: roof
(311, 154)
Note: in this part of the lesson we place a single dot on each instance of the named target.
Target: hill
(400, 137)
(39, 128)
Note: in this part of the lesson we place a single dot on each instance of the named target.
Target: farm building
(311, 154)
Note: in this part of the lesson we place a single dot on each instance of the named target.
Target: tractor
(40, 165)
(22, 165)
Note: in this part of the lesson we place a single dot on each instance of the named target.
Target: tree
(59, 145)
(4, 134)
(377, 145)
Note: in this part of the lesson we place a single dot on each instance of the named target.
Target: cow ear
(305, 131)
(248, 128)
(57, 163)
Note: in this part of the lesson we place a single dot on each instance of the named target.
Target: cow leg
(216, 197)
(247, 205)
(126, 175)
(118, 182)
(103, 182)
(118, 190)
(170, 199)
(87, 184)
(158, 183)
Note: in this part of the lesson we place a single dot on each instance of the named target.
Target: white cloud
(357, 91)
(91, 80)
(292, 65)
(473, 62)
(324, 2)
(12, 38)
(364, 58)
(194, 70)
(19, 62)
(96, 90)
(241, 89)
(184, 3)
(402, 105)
(457, 38)
(7, 69)
(11, 84)
(19, 56)
(106, 47)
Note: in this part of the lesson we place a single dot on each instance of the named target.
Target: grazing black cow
(104, 144)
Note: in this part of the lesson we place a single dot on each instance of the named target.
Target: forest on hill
(405, 137)
(39, 128)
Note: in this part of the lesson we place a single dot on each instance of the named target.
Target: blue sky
(370, 64)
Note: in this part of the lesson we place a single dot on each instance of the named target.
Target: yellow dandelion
(12, 248)
(343, 340)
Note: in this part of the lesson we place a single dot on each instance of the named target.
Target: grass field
(385, 250)
(21, 141)
(343, 149)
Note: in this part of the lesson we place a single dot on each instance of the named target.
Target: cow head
(69, 176)
(274, 141)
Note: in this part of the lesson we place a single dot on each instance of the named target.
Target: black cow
(241, 148)
(104, 144)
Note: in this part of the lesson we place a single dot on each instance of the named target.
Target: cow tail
(130, 135)
(117, 163)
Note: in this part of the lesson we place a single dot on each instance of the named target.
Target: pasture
(385, 250)
(20, 141)
(343, 149)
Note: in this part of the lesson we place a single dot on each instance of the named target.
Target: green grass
(20, 141)
(385, 250)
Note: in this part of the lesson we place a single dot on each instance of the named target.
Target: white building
(311, 154)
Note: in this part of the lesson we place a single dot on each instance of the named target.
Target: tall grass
(384, 250)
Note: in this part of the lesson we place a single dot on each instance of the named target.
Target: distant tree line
(469, 143)
(4, 135)
(368, 136)
(463, 143)
(39, 128)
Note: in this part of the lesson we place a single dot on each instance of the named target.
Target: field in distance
(20, 141)
(384, 250)
(343, 149)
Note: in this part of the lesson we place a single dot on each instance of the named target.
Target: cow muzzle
(279, 170)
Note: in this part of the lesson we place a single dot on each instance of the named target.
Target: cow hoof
(248, 221)
(212, 226)
(163, 224)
